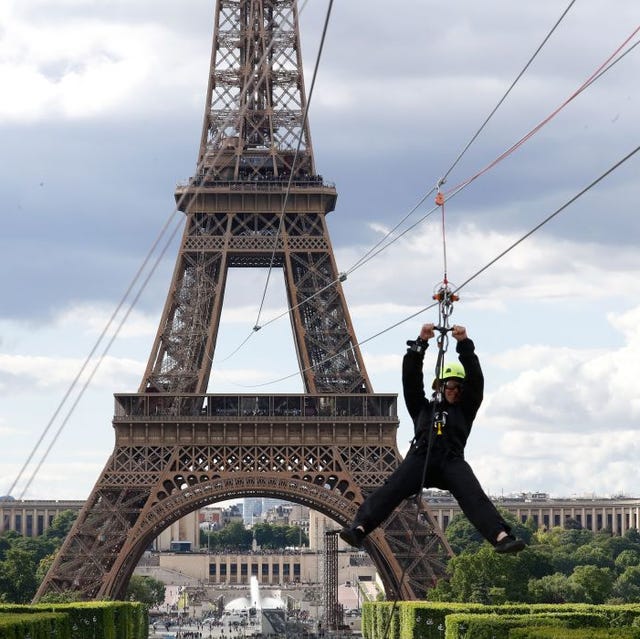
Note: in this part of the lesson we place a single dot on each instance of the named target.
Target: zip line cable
(453, 192)
(305, 117)
(506, 94)
(469, 279)
(97, 365)
(101, 337)
(442, 181)
(131, 286)
(605, 66)
(477, 133)
(549, 217)
(379, 247)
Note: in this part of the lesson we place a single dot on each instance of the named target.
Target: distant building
(256, 508)
(617, 514)
(32, 518)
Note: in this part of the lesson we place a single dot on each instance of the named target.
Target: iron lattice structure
(254, 201)
(333, 612)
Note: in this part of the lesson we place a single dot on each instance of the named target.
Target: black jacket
(455, 419)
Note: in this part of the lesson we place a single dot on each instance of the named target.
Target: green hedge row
(493, 626)
(428, 620)
(34, 626)
(91, 619)
(553, 632)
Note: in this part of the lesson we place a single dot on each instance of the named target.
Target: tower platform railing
(211, 407)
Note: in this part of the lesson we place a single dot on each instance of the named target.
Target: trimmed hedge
(553, 632)
(375, 619)
(35, 626)
(90, 619)
(494, 626)
(427, 620)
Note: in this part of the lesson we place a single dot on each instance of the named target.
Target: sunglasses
(449, 385)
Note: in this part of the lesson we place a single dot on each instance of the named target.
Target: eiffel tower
(256, 201)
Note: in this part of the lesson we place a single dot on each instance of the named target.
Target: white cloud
(84, 67)
(563, 389)
(540, 268)
(92, 319)
(23, 373)
(562, 464)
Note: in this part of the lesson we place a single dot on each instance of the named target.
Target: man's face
(452, 390)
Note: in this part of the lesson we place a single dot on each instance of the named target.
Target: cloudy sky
(101, 116)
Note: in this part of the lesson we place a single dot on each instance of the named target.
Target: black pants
(445, 471)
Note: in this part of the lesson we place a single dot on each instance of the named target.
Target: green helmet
(449, 371)
(452, 369)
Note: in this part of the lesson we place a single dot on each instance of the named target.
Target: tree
(279, 536)
(627, 558)
(572, 524)
(485, 577)
(627, 585)
(633, 536)
(61, 525)
(593, 555)
(235, 536)
(7, 538)
(614, 545)
(563, 560)
(463, 535)
(575, 538)
(536, 561)
(146, 590)
(263, 534)
(43, 566)
(554, 588)
(595, 583)
(18, 583)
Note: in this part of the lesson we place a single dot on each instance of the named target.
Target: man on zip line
(436, 457)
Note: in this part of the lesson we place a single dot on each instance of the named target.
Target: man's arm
(474, 379)
(412, 376)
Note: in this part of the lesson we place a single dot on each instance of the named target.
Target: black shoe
(509, 544)
(353, 536)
